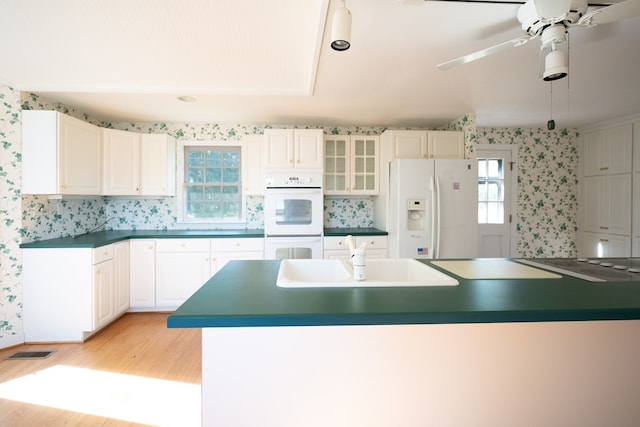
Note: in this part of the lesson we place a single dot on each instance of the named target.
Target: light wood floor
(137, 344)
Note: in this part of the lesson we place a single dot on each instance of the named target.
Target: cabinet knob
(237, 244)
(604, 240)
(150, 248)
(339, 243)
(602, 227)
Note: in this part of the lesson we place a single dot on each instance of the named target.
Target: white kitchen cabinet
(138, 164)
(182, 266)
(293, 148)
(607, 151)
(103, 292)
(603, 245)
(227, 249)
(142, 274)
(413, 144)
(121, 162)
(351, 165)
(61, 155)
(157, 165)
(252, 166)
(121, 272)
(607, 204)
(335, 247)
(70, 293)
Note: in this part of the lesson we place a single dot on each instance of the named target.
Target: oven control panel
(294, 180)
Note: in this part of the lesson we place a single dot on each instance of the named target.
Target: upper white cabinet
(293, 148)
(157, 165)
(60, 154)
(121, 162)
(351, 165)
(607, 151)
(138, 164)
(411, 144)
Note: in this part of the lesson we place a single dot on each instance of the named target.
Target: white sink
(327, 273)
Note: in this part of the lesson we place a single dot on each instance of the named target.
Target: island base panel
(497, 374)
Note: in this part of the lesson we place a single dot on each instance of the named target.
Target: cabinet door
(445, 145)
(598, 245)
(179, 275)
(308, 148)
(80, 156)
(103, 294)
(142, 273)
(121, 293)
(608, 151)
(617, 203)
(278, 148)
(337, 165)
(409, 144)
(620, 147)
(121, 161)
(593, 209)
(364, 167)
(157, 165)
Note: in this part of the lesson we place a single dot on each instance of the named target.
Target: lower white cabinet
(604, 245)
(182, 266)
(227, 249)
(166, 272)
(68, 294)
(142, 274)
(335, 247)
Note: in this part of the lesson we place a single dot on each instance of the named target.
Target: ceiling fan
(550, 20)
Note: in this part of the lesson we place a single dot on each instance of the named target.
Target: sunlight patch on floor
(108, 394)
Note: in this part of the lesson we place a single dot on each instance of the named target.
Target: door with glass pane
(351, 165)
(336, 165)
(495, 212)
(364, 175)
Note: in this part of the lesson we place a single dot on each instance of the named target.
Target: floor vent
(30, 355)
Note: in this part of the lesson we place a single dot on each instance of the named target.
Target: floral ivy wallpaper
(546, 206)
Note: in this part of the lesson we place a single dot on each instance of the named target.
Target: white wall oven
(293, 215)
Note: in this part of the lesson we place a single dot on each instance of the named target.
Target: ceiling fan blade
(549, 9)
(615, 12)
(485, 52)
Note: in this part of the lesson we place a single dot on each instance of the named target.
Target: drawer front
(182, 245)
(102, 253)
(240, 245)
(335, 242)
(373, 242)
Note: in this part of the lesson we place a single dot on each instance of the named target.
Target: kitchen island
(486, 352)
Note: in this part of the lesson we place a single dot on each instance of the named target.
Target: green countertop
(101, 238)
(244, 294)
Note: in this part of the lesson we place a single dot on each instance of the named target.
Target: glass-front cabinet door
(336, 165)
(351, 165)
(364, 154)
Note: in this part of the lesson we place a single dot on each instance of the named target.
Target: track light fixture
(341, 29)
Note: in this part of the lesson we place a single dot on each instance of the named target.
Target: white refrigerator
(433, 208)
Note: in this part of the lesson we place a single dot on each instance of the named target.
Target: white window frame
(182, 221)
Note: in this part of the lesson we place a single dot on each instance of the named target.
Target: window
(211, 184)
(490, 191)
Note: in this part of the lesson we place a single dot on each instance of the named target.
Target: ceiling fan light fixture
(555, 66)
(341, 29)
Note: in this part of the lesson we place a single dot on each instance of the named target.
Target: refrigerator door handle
(436, 248)
(432, 244)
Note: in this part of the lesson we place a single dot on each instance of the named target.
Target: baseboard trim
(11, 340)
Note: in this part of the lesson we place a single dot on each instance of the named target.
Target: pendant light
(341, 28)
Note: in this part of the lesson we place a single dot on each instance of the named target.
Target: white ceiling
(269, 61)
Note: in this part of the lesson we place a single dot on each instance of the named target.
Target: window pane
(212, 183)
(490, 191)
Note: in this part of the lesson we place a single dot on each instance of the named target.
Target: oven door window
(294, 212)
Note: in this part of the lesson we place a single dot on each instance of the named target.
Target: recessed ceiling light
(186, 98)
